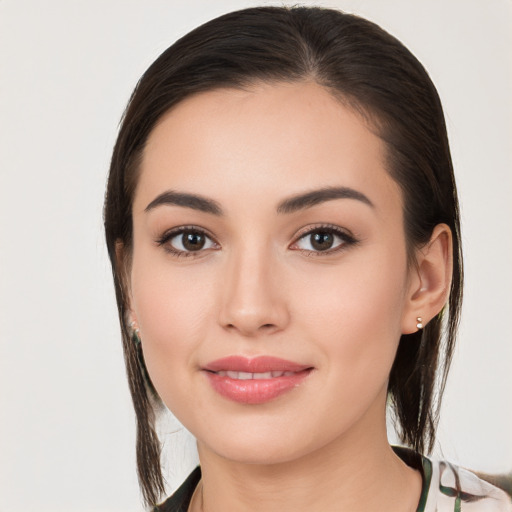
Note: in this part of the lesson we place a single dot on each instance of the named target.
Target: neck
(345, 474)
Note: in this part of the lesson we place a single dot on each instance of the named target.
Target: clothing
(439, 492)
(180, 500)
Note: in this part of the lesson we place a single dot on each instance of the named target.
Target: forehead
(269, 139)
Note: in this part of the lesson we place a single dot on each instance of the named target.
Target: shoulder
(180, 500)
(451, 488)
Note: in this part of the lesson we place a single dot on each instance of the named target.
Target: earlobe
(430, 284)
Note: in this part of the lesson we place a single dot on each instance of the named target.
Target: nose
(254, 300)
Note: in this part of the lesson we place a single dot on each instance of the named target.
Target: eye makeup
(317, 240)
(323, 239)
(187, 241)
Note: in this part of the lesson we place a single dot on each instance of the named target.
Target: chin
(267, 445)
(254, 454)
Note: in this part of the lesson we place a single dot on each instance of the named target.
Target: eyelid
(347, 237)
(173, 232)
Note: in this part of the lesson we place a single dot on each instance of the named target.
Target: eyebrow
(193, 201)
(309, 199)
(290, 205)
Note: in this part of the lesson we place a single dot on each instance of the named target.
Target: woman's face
(266, 226)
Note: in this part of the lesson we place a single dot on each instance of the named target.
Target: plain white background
(66, 71)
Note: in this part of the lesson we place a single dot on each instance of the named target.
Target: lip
(258, 364)
(255, 391)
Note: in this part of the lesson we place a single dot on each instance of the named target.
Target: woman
(282, 220)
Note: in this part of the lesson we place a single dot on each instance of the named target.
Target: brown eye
(321, 240)
(186, 241)
(193, 241)
(324, 240)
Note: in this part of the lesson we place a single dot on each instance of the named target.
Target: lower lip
(255, 391)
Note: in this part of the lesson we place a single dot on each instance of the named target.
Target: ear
(123, 264)
(430, 280)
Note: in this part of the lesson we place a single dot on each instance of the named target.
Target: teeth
(265, 375)
(240, 375)
(255, 376)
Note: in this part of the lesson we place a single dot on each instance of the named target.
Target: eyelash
(347, 240)
(169, 235)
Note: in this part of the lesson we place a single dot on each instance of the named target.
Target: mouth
(257, 380)
(255, 376)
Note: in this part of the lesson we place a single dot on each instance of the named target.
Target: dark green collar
(180, 500)
(423, 465)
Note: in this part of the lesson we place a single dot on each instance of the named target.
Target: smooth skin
(256, 284)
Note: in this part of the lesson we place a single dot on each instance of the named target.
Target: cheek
(366, 292)
(354, 316)
(174, 311)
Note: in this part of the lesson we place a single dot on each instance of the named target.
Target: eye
(186, 241)
(324, 240)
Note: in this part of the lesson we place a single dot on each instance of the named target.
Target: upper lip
(260, 364)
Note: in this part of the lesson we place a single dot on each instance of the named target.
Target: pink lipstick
(254, 381)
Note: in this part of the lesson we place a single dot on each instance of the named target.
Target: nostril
(267, 327)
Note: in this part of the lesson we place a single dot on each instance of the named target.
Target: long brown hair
(367, 69)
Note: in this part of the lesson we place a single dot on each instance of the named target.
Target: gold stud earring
(419, 324)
